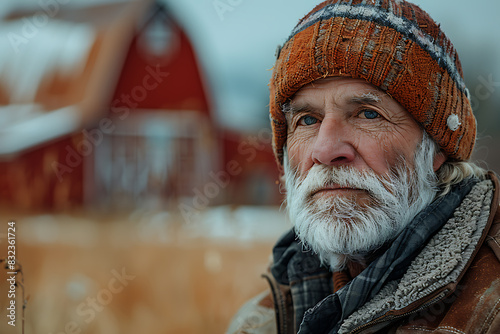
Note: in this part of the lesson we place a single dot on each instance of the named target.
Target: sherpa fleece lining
(440, 262)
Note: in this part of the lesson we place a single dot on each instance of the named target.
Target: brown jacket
(470, 303)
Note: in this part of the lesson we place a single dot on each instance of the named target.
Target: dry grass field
(147, 272)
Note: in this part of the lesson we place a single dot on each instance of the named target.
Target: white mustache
(323, 177)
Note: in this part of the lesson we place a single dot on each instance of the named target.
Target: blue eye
(308, 120)
(369, 114)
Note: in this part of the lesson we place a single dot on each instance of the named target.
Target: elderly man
(395, 231)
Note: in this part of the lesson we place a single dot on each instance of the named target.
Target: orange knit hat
(392, 44)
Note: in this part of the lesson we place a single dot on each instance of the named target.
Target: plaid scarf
(317, 310)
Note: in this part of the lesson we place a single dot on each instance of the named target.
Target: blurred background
(136, 161)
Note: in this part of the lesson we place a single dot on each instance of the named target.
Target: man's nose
(333, 145)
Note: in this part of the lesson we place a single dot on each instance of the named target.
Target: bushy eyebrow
(290, 110)
(366, 98)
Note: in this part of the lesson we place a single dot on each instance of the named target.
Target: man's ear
(439, 160)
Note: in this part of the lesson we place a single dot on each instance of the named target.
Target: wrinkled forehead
(345, 85)
(344, 90)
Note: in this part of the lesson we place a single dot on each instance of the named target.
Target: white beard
(338, 228)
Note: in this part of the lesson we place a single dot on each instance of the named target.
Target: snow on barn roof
(59, 65)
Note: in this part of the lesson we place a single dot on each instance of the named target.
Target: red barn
(106, 106)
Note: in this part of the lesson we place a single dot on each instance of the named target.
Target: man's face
(348, 122)
(351, 176)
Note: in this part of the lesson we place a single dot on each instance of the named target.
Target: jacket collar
(439, 266)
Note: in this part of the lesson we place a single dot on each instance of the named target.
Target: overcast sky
(236, 41)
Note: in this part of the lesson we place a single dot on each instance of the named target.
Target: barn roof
(59, 66)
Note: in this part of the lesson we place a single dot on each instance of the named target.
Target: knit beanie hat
(394, 45)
